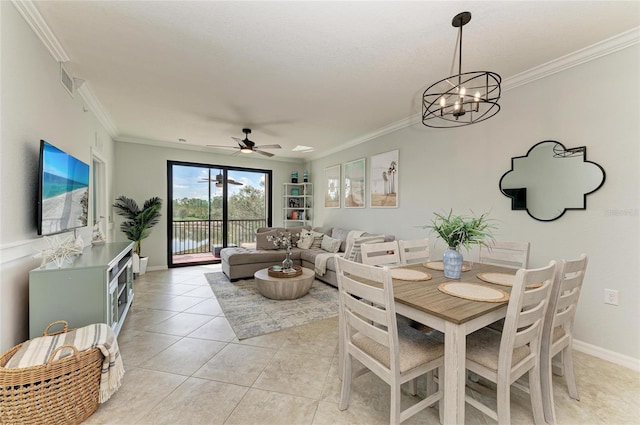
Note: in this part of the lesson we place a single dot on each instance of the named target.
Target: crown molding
(30, 13)
(84, 90)
(390, 128)
(611, 45)
(579, 57)
(593, 52)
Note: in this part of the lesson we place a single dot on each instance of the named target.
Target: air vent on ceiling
(66, 79)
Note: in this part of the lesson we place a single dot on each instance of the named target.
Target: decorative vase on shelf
(287, 263)
(452, 261)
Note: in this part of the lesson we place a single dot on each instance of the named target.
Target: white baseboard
(608, 355)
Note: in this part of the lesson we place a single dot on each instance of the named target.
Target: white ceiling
(319, 74)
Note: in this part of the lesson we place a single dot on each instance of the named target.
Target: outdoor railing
(201, 236)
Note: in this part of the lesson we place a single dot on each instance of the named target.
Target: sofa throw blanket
(321, 262)
(351, 237)
(37, 351)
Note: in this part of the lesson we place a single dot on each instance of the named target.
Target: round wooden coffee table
(284, 288)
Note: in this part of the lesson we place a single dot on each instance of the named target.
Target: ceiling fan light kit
(463, 98)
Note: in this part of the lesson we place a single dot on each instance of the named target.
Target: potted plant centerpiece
(456, 231)
(138, 224)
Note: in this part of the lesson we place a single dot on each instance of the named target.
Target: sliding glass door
(213, 207)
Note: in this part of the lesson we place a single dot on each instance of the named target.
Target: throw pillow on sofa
(342, 234)
(330, 244)
(306, 240)
(317, 240)
(354, 253)
(296, 233)
(263, 243)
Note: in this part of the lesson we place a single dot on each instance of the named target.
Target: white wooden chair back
(381, 254)
(565, 296)
(557, 335)
(528, 303)
(369, 333)
(414, 251)
(506, 254)
(519, 344)
(368, 310)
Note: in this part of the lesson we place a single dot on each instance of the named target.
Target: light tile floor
(184, 365)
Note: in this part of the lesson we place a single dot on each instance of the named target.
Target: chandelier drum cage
(464, 98)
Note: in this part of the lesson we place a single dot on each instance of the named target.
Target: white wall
(594, 105)
(34, 106)
(142, 174)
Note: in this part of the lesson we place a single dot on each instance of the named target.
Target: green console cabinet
(96, 288)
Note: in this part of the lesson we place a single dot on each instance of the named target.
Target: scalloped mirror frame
(551, 179)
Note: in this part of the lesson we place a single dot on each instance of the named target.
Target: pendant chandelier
(463, 98)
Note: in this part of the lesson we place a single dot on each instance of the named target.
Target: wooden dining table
(455, 317)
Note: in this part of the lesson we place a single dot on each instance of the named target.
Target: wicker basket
(63, 391)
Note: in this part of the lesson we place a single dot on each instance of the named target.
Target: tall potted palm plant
(138, 223)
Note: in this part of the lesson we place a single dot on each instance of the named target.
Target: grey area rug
(250, 314)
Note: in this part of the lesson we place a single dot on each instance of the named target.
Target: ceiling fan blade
(240, 142)
(268, 147)
(269, 154)
(223, 147)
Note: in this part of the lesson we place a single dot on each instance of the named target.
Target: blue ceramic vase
(452, 261)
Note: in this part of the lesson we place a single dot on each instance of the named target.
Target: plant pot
(452, 261)
(143, 265)
(135, 260)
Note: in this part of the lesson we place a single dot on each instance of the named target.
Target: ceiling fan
(247, 146)
(218, 180)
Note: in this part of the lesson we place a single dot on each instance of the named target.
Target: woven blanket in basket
(99, 335)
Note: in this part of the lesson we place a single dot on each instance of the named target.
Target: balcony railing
(201, 236)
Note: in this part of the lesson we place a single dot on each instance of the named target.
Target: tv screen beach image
(65, 191)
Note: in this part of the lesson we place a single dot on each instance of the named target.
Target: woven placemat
(409, 274)
(503, 279)
(474, 292)
(438, 265)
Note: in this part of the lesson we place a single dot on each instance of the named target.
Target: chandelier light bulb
(476, 97)
(463, 91)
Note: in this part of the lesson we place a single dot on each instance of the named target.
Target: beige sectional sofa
(239, 263)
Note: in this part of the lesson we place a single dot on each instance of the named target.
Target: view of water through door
(214, 207)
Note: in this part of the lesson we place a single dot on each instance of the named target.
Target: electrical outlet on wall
(611, 297)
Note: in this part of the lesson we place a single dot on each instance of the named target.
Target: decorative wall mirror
(551, 179)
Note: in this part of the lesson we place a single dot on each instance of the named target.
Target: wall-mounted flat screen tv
(63, 191)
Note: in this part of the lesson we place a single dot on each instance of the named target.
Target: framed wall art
(384, 180)
(332, 188)
(354, 184)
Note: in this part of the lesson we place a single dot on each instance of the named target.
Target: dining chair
(506, 254)
(381, 254)
(414, 251)
(370, 334)
(514, 255)
(504, 357)
(557, 334)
